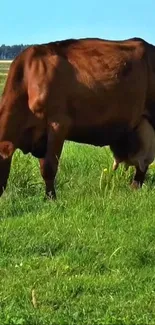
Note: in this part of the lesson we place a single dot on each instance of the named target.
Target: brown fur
(87, 90)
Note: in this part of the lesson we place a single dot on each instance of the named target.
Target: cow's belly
(101, 135)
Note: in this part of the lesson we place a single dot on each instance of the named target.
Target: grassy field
(88, 258)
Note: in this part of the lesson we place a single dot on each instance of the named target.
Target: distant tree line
(10, 52)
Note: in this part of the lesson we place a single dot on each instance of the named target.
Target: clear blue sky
(39, 21)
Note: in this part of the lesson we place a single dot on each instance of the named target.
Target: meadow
(86, 259)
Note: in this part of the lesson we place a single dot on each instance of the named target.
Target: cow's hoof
(50, 196)
(135, 185)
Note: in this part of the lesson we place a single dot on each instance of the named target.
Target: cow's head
(34, 142)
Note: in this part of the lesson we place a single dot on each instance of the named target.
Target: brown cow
(145, 156)
(88, 90)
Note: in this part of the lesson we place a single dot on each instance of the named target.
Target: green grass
(90, 256)
(3, 71)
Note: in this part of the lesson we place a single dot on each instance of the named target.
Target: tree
(10, 52)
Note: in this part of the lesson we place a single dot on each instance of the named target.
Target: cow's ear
(6, 149)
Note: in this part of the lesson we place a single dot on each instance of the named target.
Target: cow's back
(99, 85)
(97, 80)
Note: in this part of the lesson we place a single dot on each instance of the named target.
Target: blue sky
(33, 21)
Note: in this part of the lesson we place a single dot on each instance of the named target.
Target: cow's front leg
(5, 165)
(139, 178)
(49, 165)
(48, 174)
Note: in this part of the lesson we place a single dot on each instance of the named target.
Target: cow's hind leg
(5, 165)
(139, 178)
(49, 165)
(115, 164)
